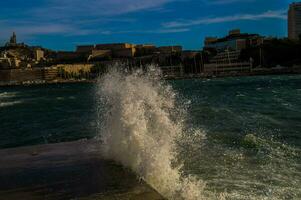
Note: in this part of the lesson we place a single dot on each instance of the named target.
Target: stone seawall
(73, 170)
(19, 76)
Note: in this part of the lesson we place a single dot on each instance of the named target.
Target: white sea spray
(140, 132)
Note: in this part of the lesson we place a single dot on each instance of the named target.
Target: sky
(63, 24)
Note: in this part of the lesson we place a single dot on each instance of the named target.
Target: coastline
(54, 113)
(70, 170)
(263, 72)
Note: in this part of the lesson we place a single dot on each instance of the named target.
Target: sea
(222, 138)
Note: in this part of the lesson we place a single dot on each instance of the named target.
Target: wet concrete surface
(74, 170)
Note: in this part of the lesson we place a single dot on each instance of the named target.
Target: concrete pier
(73, 170)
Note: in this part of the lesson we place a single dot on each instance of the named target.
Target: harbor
(236, 54)
(150, 100)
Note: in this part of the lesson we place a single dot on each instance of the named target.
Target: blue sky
(63, 24)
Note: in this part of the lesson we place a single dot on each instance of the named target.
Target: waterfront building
(192, 61)
(145, 46)
(70, 56)
(189, 54)
(294, 21)
(50, 73)
(96, 55)
(173, 71)
(114, 46)
(170, 49)
(145, 49)
(227, 61)
(5, 62)
(119, 50)
(235, 40)
(124, 53)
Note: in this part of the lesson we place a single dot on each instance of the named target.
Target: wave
(12, 103)
(271, 147)
(144, 128)
(5, 95)
(140, 130)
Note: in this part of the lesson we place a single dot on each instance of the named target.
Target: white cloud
(72, 8)
(28, 30)
(155, 31)
(34, 29)
(227, 1)
(172, 30)
(80, 17)
(276, 14)
(76, 17)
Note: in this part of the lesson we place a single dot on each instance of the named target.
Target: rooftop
(233, 34)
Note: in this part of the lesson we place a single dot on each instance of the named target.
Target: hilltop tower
(13, 39)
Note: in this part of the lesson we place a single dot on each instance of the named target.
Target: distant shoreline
(296, 71)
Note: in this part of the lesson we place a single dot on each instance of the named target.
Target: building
(12, 42)
(119, 50)
(145, 49)
(173, 71)
(19, 76)
(235, 40)
(9, 62)
(38, 54)
(192, 61)
(227, 61)
(96, 55)
(85, 48)
(189, 54)
(169, 49)
(15, 63)
(13, 39)
(50, 73)
(124, 53)
(115, 46)
(74, 71)
(70, 57)
(294, 21)
(5, 63)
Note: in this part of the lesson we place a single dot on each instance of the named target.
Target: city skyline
(64, 24)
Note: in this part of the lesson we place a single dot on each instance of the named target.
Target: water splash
(141, 128)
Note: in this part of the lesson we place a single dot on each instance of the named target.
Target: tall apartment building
(294, 21)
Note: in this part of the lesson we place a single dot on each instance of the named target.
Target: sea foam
(6, 99)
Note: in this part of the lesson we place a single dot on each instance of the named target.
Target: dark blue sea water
(46, 114)
(252, 148)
